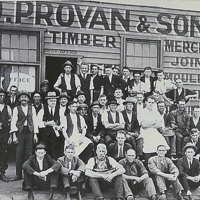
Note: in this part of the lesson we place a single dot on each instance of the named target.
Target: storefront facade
(37, 37)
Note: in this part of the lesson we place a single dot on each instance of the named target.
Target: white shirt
(15, 119)
(147, 84)
(195, 120)
(67, 78)
(140, 108)
(40, 163)
(189, 162)
(162, 120)
(129, 115)
(163, 86)
(119, 148)
(140, 87)
(51, 109)
(95, 120)
(110, 77)
(120, 107)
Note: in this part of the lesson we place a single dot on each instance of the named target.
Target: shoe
(179, 197)
(130, 197)
(162, 197)
(3, 177)
(173, 158)
(67, 196)
(51, 193)
(30, 195)
(16, 178)
(154, 197)
(79, 195)
(190, 197)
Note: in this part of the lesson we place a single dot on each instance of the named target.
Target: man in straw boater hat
(5, 119)
(49, 124)
(112, 121)
(41, 172)
(103, 171)
(24, 130)
(189, 169)
(67, 81)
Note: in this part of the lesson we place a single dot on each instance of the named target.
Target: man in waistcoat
(102, 171)
(85, 80)
(195, 118)
(49, 121)
(24, 128)
(5, 118)
(67, 81)
(74, 130)
(112, 121)
(37, 100)
(12, 99)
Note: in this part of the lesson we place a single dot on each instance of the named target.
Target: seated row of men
(127, 176)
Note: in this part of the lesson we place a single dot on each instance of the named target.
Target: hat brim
(64, 96)
(24, 94)
(189, 146)
(125, 102)
(113, 103)
(52, 97)
(63, 65)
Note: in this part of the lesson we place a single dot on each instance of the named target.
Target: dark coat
(192, 125)
(184, 170)
(113, 150)
(12, 105)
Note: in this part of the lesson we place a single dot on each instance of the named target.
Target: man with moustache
(24, 130)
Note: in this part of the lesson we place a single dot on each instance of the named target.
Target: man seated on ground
(72, 169)
(165, 172)
(132, 126)
(189, 169)
(166, 129)
(118, 149)
(112, 121)
(136, 176)
(180, 121)
(102, 171)
(194, 138)
(40, 171)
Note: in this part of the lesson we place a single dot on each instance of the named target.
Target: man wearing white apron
(74, 130)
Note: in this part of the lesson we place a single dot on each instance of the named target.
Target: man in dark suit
(95, 129)
(85, 80)
(96, 84)
(40, 170)
(194, 119)
(118, 149)
(12, 100)
(194, 138)
(132, 126)
(111, 82)
(189, 170)
(148, 80)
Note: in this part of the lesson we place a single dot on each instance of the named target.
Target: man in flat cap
(112, 121)
(5, 119)
(102, 171)
(40, 171)
(189, 169)
(24, 130)
(67, 81)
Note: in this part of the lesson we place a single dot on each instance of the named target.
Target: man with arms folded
(103, 171)
(136, 176)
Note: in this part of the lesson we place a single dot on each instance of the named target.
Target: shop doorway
(53, 68)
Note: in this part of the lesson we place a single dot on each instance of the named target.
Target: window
(142, 53)
(22, 49)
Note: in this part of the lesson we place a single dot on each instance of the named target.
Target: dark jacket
(152, 79)
(192, 125)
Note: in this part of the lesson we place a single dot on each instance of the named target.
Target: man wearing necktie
(12, 100)
(72, 169)
(165, 173)
(189, 169)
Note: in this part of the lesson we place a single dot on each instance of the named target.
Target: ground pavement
(13, 191)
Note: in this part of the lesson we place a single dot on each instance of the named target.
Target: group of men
(87, 117)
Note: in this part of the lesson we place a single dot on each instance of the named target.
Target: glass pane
(5, 40)
(23, 55)
(32, 56)
(5, 54)
(138, 62)
(14, 41)
(130, 49)
(153, 50)
(14, 55)
(27, 78)
(138, 49)
(146, 62)
(32, 42)
(23, 41)
(153, 63)
(130, 62)
(145, 50)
